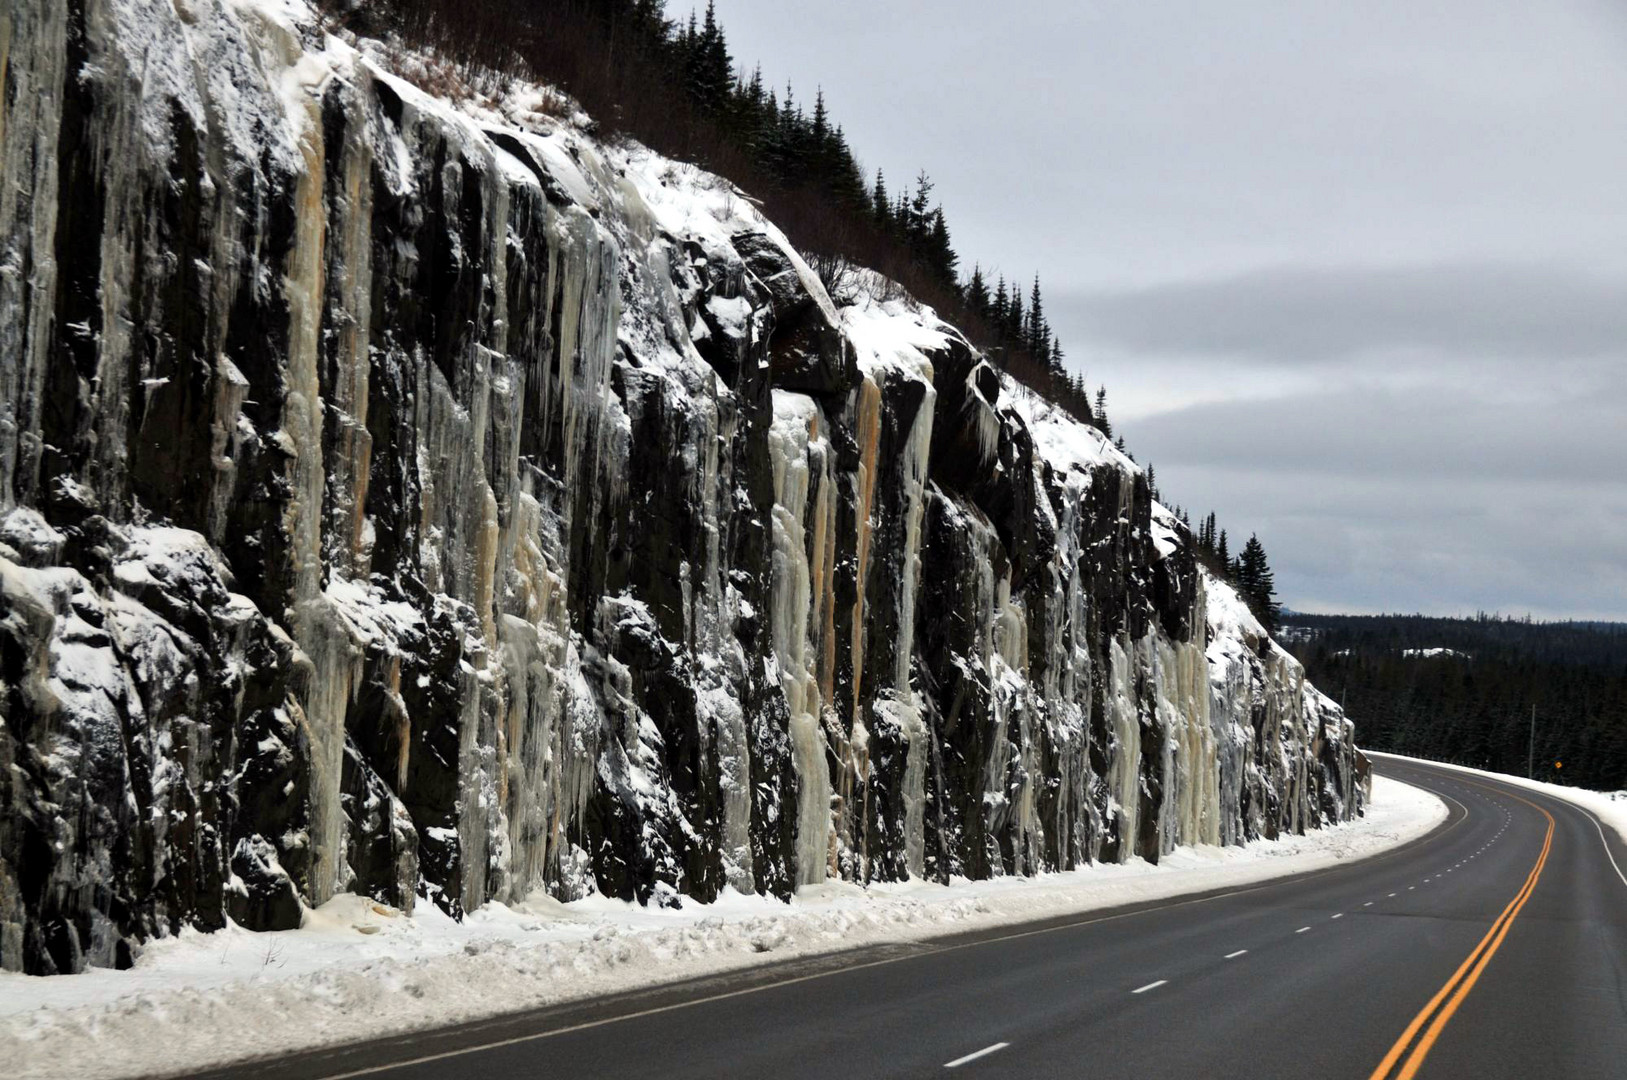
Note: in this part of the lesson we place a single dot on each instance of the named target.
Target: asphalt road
(1494, 947)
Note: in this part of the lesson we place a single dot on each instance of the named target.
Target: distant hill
(1483, 636)
(1463, 689)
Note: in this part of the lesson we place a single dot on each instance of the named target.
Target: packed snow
(1610, 807)
(894, 333)
(1060, 439)
(358, 969)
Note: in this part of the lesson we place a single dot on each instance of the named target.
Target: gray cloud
(1300, 313)
(1338, 542)
(1404, 435)
(1355, 275)
(1451, 497)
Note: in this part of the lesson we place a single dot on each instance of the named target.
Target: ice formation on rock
(434, 501)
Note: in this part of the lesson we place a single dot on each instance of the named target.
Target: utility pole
(1531, 748)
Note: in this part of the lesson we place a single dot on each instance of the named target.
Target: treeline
(1249, 571)
(1475, 708)
(676, 87)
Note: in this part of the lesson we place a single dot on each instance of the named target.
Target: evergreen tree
(774, 138)
(719, 65)
(685, 53)
(1223, 554)
(1101, 412)
(918, 219)
(708, 70)
(794, 142)
(940, 253)
(1257, 584)
(1039, 332)
(819, 139)
(753, 91)
(846, 179)
(881, 210)
(640, 26)
(977, 294)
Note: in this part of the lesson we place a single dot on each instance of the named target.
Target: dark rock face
(399, 503)
(806, 351)
(147, 775)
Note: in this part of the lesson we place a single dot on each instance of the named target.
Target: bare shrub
(842, 280)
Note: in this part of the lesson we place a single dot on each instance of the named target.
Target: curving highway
(1496, 946)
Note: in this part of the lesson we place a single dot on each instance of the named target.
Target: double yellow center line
(1436, 1014)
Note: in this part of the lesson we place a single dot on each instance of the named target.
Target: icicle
(318, 629)
(854, 756)
(348, 394)
(1190, 761)
(800, 459)
(713, 606)
(868, 431)
(33, 54)
(1124, 757)
(980, 416)
(914, 467)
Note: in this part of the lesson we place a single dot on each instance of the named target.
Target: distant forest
(1473, 705)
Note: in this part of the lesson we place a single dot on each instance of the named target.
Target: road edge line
(1478, 957)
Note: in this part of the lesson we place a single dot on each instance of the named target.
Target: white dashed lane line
(985, 1052)
(1229, 956)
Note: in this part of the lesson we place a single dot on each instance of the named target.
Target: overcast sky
(1355, 275)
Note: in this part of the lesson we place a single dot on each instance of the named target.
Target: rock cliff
(421, 496)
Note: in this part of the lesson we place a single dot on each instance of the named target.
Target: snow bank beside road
(358, 970)
(1610, 807)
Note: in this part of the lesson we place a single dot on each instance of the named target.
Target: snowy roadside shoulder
(358, 970)
(1609, 807)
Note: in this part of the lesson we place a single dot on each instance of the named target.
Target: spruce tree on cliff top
(1257, 584)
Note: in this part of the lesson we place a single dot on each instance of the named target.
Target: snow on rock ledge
(430, 502)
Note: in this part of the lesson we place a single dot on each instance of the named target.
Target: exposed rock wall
(432, 501)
